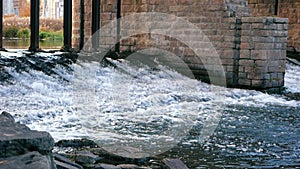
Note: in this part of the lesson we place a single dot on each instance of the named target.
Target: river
(25, 43)
(158, 111)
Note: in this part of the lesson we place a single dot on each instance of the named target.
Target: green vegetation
(51, 35)
(24, 33)
(10, 32)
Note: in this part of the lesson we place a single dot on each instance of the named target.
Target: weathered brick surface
(262, 56)
(286, 9)
(262, 7)
(249, 48)
(76, 24)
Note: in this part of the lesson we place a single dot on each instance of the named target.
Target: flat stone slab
(61, 165)
(86, 157)
(64, 163)
(17, 139)
(174, 164)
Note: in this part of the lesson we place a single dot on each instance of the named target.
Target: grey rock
(86, 157)
(64, 163)
(106, 166)
(293, 96)
(31, 160)
(76, 143)
(130, 166)
(17, 139)
(6, 117)
(109, 157)
(61, 165)
(174, 164)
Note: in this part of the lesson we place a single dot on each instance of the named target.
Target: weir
(151, 111)
(252, 50)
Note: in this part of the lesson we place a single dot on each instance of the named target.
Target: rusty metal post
(67, 26)
(34, 25)
(1, 25)
(117, 45)
(95, 23)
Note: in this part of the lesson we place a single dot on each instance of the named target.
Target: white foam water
(137, 104)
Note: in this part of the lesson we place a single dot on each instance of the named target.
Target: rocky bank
(22, 148)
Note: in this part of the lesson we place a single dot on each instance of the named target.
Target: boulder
(17, 139)
(31, 160)
(22, 148)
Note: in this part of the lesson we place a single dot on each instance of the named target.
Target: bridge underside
(250, 50)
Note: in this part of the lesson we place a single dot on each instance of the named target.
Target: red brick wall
(76, 24)
(291, 9)
(261, 7)
(287, 9)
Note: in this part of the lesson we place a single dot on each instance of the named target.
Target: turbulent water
(157, 109)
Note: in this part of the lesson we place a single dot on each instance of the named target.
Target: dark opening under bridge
(251, 50)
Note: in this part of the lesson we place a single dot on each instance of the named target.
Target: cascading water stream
(256, 129)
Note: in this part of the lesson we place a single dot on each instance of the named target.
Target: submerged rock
(293, 96)
(111, 158)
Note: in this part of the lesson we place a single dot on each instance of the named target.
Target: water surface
(156, 107)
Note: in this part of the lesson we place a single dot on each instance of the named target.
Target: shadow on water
(293, 55)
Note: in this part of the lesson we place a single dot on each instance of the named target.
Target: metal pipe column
(34, 25)
(95, 23)
(67, 26)
(276, 4)
(1, 25)
(81, 41)
(117, 45)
